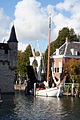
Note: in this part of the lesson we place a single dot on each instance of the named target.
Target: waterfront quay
(67, 89)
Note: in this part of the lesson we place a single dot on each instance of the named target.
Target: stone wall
(6, 78)
(12, 55)
(3, 56)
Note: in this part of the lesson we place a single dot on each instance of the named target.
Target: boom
(32, 50)
(41, 56)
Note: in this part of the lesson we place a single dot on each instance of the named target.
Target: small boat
(52, 92)
(49, 92)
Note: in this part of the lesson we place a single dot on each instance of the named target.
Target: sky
(31, 20)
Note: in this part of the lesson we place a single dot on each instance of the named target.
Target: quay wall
(6, 78)
(19, 87)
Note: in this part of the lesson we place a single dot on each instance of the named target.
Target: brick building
(62, 55)
(8, 63)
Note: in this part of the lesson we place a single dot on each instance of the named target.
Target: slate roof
(13, 35)
(65, 49)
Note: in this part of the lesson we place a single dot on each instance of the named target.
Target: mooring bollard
(34, 89)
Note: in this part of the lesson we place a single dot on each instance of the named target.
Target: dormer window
(74, 51)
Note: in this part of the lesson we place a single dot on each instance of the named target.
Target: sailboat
(49, 92)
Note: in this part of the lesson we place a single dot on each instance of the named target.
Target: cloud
(4, 24)
(66, 5)
(72, 7)
(30, 20)
(21, 46)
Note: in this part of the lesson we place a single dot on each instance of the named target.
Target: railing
(70, 88)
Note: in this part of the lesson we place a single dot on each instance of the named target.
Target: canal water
(21, 107)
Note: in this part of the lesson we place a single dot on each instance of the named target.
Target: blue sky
(9, 5)
(31, 18)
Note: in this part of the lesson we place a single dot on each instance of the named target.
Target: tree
(23, 60)
(72, 69)
(37, 53)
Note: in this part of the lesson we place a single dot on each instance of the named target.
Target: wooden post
(72, 89)
(34, 89)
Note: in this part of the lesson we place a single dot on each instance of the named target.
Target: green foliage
(37, 53)
(72, 69)
(23, 60)
(45, 57)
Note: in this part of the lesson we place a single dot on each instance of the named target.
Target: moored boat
(50, 92)
(54, 91)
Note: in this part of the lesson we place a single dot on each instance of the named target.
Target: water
(21, 107)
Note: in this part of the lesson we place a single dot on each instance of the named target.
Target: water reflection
(21, 107)
(7, 107)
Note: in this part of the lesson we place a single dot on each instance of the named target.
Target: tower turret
(13, 43)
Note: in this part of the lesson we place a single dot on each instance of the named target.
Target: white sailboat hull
(50, 92)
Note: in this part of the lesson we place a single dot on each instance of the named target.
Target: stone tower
(12, 42)
(8, 63)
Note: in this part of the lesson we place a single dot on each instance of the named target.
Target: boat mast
(49, 49)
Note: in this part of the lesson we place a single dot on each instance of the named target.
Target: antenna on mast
(50, 20)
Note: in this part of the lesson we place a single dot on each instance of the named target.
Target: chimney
(57, 51)
(67, 40)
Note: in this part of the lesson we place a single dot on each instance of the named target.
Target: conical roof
(13, 35)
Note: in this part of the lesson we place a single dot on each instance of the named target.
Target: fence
(71, 88)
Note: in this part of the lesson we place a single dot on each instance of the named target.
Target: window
(57, 69)
(53, 67)
(74, 51)
(3, 63)
(6, 51)
(60, 67)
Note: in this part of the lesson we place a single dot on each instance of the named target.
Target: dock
(66, 94)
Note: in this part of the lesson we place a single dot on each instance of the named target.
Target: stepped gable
(13, 35)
